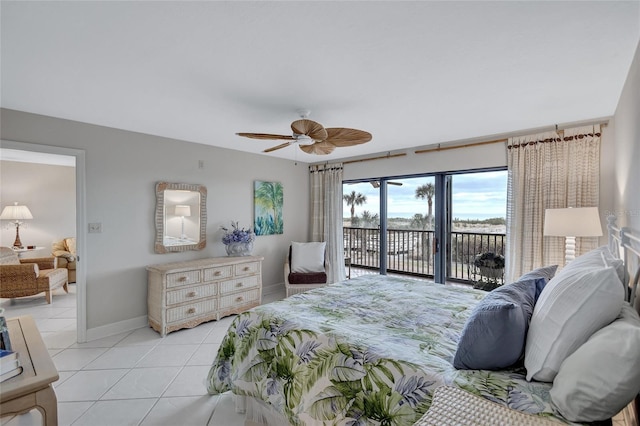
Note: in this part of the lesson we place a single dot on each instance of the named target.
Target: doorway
(78, 157)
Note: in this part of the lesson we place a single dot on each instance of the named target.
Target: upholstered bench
(31, 276)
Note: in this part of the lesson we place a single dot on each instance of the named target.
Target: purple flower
(237, 235)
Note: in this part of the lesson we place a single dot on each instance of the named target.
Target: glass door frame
(442, 217)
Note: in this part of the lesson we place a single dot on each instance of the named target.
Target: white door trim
(81, 226)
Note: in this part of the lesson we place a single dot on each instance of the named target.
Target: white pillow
(602, 376)
(307, 257)
(576, 303)
(599, 255)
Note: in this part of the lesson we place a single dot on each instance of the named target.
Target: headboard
(625, 243)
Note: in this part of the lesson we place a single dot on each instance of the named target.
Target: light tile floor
(134, 378)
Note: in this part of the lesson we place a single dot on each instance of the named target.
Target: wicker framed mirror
(181, 217)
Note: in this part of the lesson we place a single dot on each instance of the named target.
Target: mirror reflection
(180, 217)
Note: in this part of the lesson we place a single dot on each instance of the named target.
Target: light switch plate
(95, 228)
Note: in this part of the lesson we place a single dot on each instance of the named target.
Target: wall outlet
(95, 228)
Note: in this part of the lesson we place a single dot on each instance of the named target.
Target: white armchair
(305, 267)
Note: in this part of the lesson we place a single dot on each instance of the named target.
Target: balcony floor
(356, 272)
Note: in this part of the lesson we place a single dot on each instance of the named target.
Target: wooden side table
(33, 388)
(27, 252)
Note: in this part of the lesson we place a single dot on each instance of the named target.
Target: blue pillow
(546, 272)
(495, 333)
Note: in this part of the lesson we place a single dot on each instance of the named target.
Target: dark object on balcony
(490, 267)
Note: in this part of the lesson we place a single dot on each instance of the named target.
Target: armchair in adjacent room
(31, 276)
(65, 252)
(305, 267)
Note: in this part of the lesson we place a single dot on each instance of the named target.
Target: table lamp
(16, 213)
(182, 211)
(571, 223)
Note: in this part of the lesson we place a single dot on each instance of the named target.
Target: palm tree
(427, 191)
(419, 221)
(370, 219)
(354, 199)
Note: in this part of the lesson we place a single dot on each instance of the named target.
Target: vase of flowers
(238, 241)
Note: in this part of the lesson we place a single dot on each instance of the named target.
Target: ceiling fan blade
(376, 183)
(341, 137)
(319, 148)
(315, 131)
(265, 136)
(273, 148)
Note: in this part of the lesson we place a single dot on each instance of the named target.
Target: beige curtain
(547, 171)
(326, 215)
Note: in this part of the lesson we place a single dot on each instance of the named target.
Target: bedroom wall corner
(626, 124)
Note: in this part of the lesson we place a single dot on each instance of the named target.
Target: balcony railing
(411, 251)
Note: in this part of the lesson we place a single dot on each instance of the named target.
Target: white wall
(627, 149)
(494, 155)
(122, 169)
(50, 194)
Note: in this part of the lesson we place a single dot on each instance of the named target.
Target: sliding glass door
(431, 226)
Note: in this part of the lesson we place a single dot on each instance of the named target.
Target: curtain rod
(375, 158)
(439, 148)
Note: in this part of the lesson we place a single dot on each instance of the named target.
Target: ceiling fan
(376, 183)
(313, 138)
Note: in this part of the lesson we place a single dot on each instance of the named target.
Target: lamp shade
(572, 222)
(183, 210)
(16, 212)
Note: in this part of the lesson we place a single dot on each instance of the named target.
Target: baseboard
(273, 288)
(116, 328)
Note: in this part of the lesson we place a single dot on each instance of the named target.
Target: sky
(475, 196)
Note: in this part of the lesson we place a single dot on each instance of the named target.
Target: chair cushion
(70, 244)
(307, 257)
(8, 256)
(307, 278)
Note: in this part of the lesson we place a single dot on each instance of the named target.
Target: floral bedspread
(366, 351)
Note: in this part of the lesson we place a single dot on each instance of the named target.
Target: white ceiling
(411, 73)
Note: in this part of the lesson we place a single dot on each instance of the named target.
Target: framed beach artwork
(268, 198)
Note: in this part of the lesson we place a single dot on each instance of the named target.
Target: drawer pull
(239, 285)
(217, 273)
(239, 299)
(191, 310)
(192, 294)
(246, 268)
(183, 279)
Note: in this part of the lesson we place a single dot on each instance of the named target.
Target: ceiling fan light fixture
(304, 140)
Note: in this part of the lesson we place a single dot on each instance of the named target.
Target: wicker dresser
(185, 294)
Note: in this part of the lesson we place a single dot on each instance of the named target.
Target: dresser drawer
(240, 298)
(238, 284)
(184, 312)
(218, 272)
(191, 293)
(246, 268)
(183, 278)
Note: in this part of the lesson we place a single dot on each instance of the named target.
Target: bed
(370, 350)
